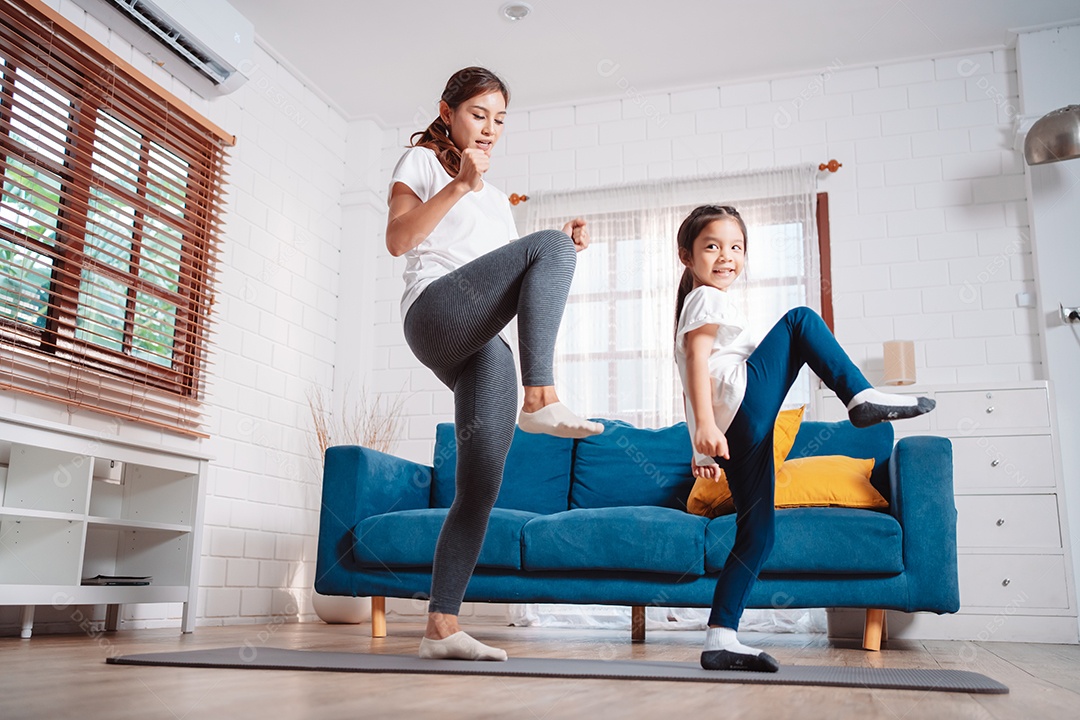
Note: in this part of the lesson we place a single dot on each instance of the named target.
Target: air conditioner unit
(207, 44)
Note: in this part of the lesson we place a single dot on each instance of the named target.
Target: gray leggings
(452, 328)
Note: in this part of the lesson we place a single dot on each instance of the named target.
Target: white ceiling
(389, 60)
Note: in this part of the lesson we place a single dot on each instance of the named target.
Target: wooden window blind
(110, 224)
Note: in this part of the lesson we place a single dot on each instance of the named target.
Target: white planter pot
(340, 609)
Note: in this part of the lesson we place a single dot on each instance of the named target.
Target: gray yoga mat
(267, 658)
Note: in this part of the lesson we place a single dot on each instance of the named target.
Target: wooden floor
(65, 676)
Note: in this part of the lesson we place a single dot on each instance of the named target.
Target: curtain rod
(831, 166)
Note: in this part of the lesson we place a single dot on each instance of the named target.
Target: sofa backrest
(536, 477)
(843, 438)
(626, 465)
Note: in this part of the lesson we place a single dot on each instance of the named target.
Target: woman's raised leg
(461, 311)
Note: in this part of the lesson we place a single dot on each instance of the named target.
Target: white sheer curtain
(614, 352)
(613, 357)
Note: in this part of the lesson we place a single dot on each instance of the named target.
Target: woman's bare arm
(411, 220)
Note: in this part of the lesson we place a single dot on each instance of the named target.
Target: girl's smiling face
(477, 122)
(718, 256)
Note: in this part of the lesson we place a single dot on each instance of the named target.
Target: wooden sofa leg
(637, 623)
(378, 617)
(875, 623)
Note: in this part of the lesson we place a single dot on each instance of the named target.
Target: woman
(464, 281)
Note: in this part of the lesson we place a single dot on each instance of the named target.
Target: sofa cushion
(407, 538)
(819, 540)
(626, 466)
(536, 477)
(843, 438)
(649, 539)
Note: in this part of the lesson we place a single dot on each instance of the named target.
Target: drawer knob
(995, 463)
(989, 409)
(1000, 522)
(1005, 582)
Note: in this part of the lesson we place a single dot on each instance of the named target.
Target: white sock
(459, 646)
(558, 420)
(871, 395)
(722, 638)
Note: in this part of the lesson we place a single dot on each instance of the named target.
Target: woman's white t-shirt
(706, 305)
(477, 224)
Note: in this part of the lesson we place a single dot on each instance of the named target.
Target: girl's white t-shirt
(706, 305)
(477, 224)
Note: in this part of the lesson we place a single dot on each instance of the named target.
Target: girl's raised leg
(800, 337)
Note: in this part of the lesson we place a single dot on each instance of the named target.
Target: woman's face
(477, 122)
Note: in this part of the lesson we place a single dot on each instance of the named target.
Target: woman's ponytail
(437, 138)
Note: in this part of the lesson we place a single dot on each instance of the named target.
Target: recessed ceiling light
(515, 11)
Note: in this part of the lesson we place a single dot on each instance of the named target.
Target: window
(109, 208)
(614, 356)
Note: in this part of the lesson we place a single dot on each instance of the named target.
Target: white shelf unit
(75, 504)
(1012, 535)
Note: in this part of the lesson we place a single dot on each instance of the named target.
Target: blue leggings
(800, 337)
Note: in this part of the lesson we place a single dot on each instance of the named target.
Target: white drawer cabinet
(1023, 582)
(1011, 531)
(974, 411)
(75, 504)
(1007, 521)
(1004, 462)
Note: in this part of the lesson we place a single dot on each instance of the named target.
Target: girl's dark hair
(691, 227)
(462, 85)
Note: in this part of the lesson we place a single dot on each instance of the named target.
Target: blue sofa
(603, 520)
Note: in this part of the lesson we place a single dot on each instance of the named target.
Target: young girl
(733, 393)
(464, 281)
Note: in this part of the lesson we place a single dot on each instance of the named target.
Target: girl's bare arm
(699, 345)
(708, 439)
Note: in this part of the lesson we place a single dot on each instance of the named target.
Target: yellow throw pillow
(827, 480)
(712, 498)
(784, 432)
(821, 481)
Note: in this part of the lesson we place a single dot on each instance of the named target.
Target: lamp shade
(899, 362)
(1055, 136)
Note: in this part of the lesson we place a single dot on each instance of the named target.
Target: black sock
(869, 413)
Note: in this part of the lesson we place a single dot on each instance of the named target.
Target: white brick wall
(278, 302)
(928, 220)
(928, 236)
(274, 335)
